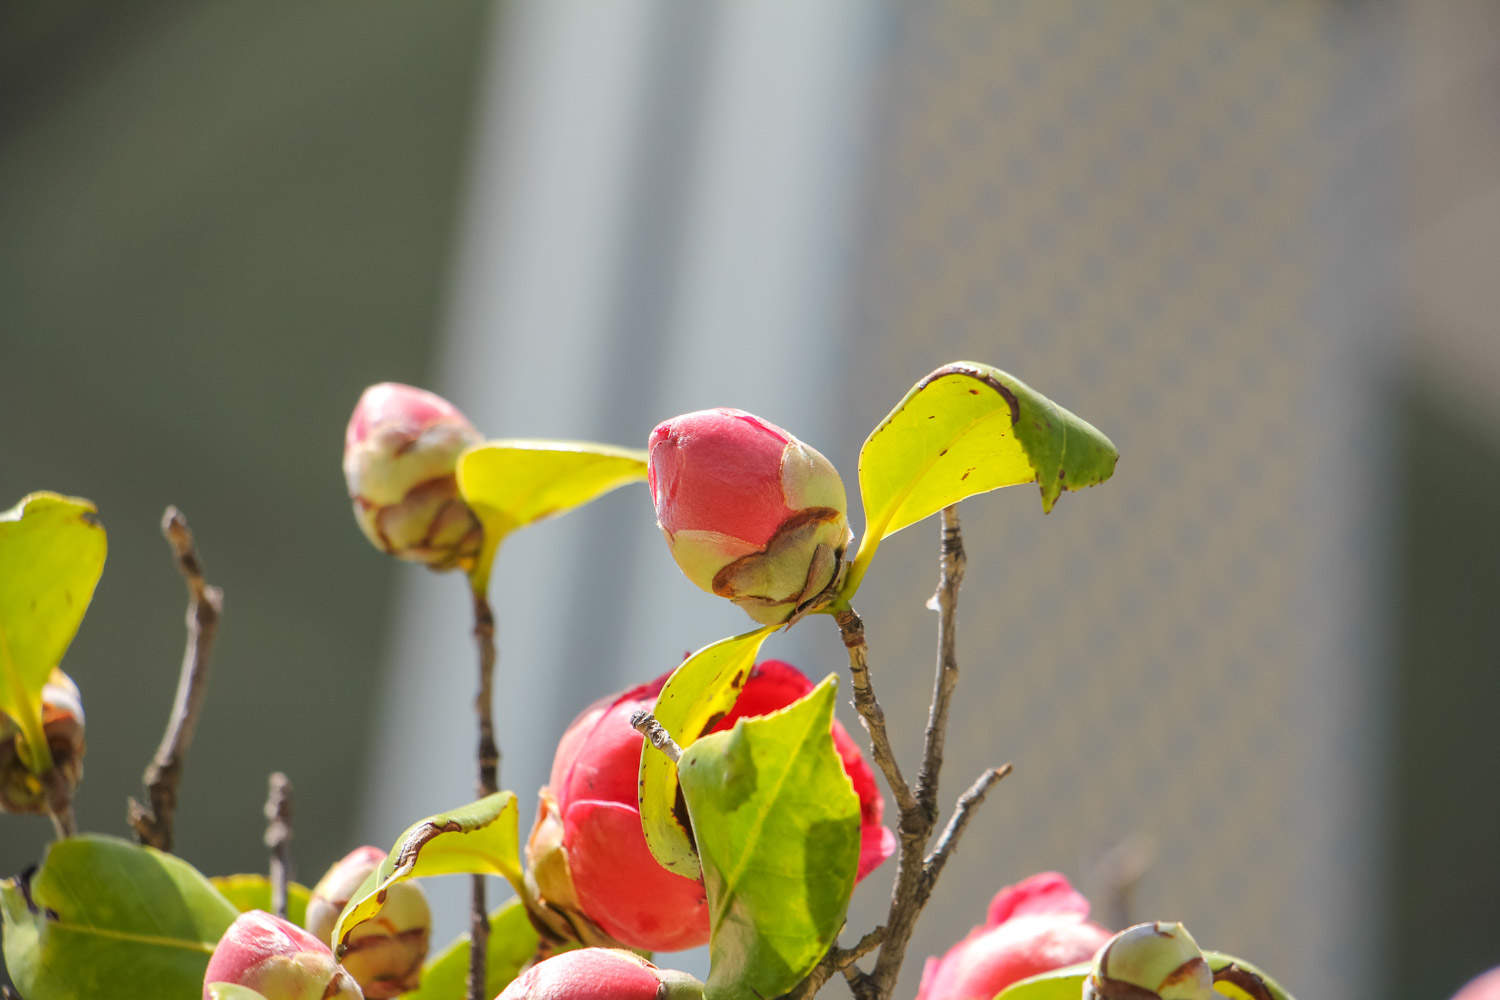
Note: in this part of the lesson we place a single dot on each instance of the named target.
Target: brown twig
(951, 565)
(278, 838)
(153, 823)
(835, 961)
(915, 875)
(489, 778)
(59, 802)
(656, 734)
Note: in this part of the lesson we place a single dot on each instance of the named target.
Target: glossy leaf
(51, 555)
(1067, 983)
(701, 691)
(777, 825)
(253, 892)
(480, 838)
(510, 484)
(103, 917)
(513, 943)
(968, 428)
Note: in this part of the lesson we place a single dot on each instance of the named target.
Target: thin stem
(59, 803)
(948, 839)
(656, 734)
(153, 823)
(489, 776)
(836, 960)
(279, 838)
(852, 631)
(951, 563)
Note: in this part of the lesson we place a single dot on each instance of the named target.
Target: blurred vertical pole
(658, 220)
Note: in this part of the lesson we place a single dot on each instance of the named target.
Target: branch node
(656, 734)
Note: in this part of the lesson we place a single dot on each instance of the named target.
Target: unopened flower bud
(750, 513)
(278, 960)
(1151, 960)
(384, 954)
(62, 724)
(400, 451)
(1034, 926)
(587, 854)
(601, 974)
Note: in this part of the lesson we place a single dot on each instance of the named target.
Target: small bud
(385, 953)
(1151, 960)
(62, 724)
(1034, 926)
(400, 450)
(750, 513)
(601, 974)
(278, 960)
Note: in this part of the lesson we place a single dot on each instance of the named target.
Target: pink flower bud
(279, 960)
(1485, 986)
(62, 724)
(750, 513)
(400, 451)
(1033, 926)
(384, 953)
(587, 853)
(601, 974)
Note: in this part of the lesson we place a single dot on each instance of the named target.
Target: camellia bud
(750, 513)
(587, 854)
(278, 960)
(1151, 960)
(601, 974)
(400, 451)
(1034, 926)
(384, 953)
(62, 724)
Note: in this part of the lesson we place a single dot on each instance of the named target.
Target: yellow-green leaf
(513, 943)
(253, 892)
(51, 555)
(232, 991)
(106, 918)
(777, 825)
(510, 484)
(702, 690)
(968, 428)
(480, 838)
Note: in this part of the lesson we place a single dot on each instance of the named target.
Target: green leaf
(232, 991)
(777, 823)
(701, 691)
(253, 892)
(1059, 984)
(480, 838)
(106, 918)
(51, 555)
(510, 484)
(513, 943)
(1067, 983)
(1230, 981)
(968, 428)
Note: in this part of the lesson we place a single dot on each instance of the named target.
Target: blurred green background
(1254, 242)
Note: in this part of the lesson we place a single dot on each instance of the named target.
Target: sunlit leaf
(777, 825)
(700, 692)
(1238, 979)
(232, 991)
(510, 484)
(106, 918)
(968, 428)
(253, 892)
(1231, 977)
(513, 943)
(480, 838)
(51, 554)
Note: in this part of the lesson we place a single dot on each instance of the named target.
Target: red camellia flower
(587, 852)
(279, 960)
(1033, 926)
(601, 974)
(750, 513)
(400, 450)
